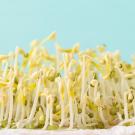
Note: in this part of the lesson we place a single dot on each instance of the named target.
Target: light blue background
(91, 22)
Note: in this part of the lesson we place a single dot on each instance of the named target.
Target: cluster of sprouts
(71, 89)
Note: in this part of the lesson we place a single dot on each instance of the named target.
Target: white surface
(118, 130)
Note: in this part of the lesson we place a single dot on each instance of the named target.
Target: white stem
(76, 112)
(62, 114)
(51, 112)
(60, 90)
(10, 107)
(95, 91)
(18, 106)
(2, 111)
(125, 106)
(83, 111)
(42, 103)
(83, 79)
(23, 113)
(33, 110)
(71, 113)
(28, 105)
(47, 114)
(7, 110)
(18, 111)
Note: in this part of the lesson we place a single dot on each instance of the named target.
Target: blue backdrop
(90, 22)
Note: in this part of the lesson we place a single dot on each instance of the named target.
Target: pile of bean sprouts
(87, 89)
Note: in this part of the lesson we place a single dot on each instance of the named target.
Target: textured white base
(118, 130)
